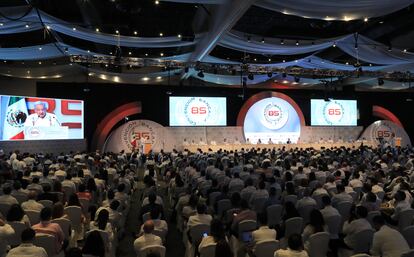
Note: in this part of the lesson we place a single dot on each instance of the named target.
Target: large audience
(257, 202)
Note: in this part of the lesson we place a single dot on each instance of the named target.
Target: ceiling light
(405, 50)
(263, 40)
(97, 29)
(282, 42)
(161, 34)
(284, 61)
(146, 54)
(48, 27)
(162, 54)
(159, 77)
(135, 32)
(88, 51)
(157, 2)
(334, 44)
(145, 78)
(179, 36)
(381, 22)
(40, 62)
(255, 59)
(285, 81)
(1, 24)
(297, 42)
(40, 48)
(366, 19)
(90, 74)
(27, 25)
(110, 53)
(347, 63)
(270, 60)
(73, 28)
(129, 53)
(116, 31)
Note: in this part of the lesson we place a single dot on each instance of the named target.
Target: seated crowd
(259, 202)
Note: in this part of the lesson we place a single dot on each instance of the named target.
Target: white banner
(388, 131)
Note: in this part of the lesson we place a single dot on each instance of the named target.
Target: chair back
(344, 208)
(408, 234)
(364, 241)
(410, 253)
(246, 226)
(85, 205)
(68, 191)
(18, 228)
(293, 226)
(197, 231)
(318, 199)
(161, 233)
(222, 206)
(266, 248)
(34, 216)
(146, 216)
(405, 219)
(334, 225)
(21, 197)
(274, 214)
(212, 198)
(361, 255)
(152, 249)
(208, 251)
(75, 215)
(246, 196)
(64, 225)
(235, 188)
(318, 244)
(258, 204)
(46, 203)
(371, 216)
(291, 198)
(4, 209)
(47, 242)
(305, 211)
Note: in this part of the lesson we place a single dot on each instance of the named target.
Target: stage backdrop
(384, 129)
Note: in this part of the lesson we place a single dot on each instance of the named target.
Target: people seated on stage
(270, 142)
(185, 142)
(193, 142)
(202, 142)
(225, 142)
(259, 142)
(213, 142)
(236, 141)
(288, 141)
(248, 141)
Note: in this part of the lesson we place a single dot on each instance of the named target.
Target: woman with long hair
(94, 245)
(102, 223)
(316, 224)
(17, 214)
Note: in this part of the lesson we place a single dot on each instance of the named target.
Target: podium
(40, 133)
(147, 148)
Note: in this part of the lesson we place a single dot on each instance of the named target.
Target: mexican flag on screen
(15, 116)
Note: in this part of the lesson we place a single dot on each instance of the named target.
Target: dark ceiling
(148, 19)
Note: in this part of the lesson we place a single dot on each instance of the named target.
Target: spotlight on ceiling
(250, 76)
(380, 82)
(282, 42)
(269, 74)
(200, 74)
(297, 79)
(297, 42)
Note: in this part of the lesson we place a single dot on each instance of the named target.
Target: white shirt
(388, 242)
(350, 229)
(146, 240)
(262, 234)
(290, 253)
(49, 120)
(8, 199)
(199, 219)
(6, 231)
(32, 205)
(27, 250)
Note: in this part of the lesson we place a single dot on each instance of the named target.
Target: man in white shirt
(6, 232)
(355, 226)
(27, 248)
(387, 242)
(200, 218)
(41, 118)
(263, 233)
(31, 204)
(6, 198)
(147, 238)
(341, 196)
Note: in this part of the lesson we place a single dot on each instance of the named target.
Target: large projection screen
(197, 111)
(36, 118)
(334, 112)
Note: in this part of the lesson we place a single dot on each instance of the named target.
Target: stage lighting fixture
(282, 42)
(269, 74)
(297, 42)
(297, 79)
(200, 74)
(249, 38)
(380, 82)
(284, 75)
(250, 76)
(186, 69)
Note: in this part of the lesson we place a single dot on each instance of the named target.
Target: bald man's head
(148, 227)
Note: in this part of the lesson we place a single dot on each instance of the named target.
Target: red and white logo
(274, 116)
(333, 112)
(197, 111)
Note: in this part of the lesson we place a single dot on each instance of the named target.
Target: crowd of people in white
(259, 202)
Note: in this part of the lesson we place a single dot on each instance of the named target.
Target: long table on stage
(233, 147)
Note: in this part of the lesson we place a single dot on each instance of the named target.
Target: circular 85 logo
(274, 116)
(197, 111)
(333, 112)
